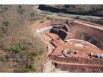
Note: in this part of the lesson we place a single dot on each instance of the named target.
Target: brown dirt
(81, 61)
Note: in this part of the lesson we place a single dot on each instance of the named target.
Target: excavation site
(73, 46)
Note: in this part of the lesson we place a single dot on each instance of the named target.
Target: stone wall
(78, 64)
(80, 60)
(94, 31)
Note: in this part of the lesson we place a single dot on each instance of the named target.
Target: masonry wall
(46, 26)
(94, 31)
(80, 68)
(79, 64)
(96, 61)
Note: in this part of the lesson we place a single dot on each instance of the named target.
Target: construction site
(73, 46)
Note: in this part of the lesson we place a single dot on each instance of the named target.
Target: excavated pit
(89, 38)
(81, 42)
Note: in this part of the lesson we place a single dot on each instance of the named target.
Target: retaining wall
(80, 68)
(95, 31)
(80, 60)
(46, 26)
(79, 64)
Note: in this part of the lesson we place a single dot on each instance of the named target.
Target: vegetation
(3, 8)
(49, 18)
(96, 22)
(20, 10)
(75, 9)
(94, 10)
(19, 50)
(29, 68)
(16, 48)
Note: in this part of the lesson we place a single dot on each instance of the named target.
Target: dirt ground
(56, 45)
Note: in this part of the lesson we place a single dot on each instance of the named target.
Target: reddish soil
(95, 31)
(81, 51)
(81, 61)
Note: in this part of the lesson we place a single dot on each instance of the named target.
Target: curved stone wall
(94, 31)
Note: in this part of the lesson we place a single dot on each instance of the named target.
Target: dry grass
(19, 50)
(53, 17)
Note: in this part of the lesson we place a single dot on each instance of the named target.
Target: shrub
(29, 68)
(20, 10)
(49, 18)
(41, 52)
(3, 8)
(16, 48)
(42, 21)
(6, 23)
(33, 54)
(24, 70)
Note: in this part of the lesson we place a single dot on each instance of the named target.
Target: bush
(41, 52)
(20, 10)
(42, 21)
(6, 23)
(29, 68)
(3, 8)
(24, 70)
(49, 18)
(16, 48)
(33, 54)
(77, 17)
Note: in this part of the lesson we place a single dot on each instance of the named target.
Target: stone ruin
(73, 46)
